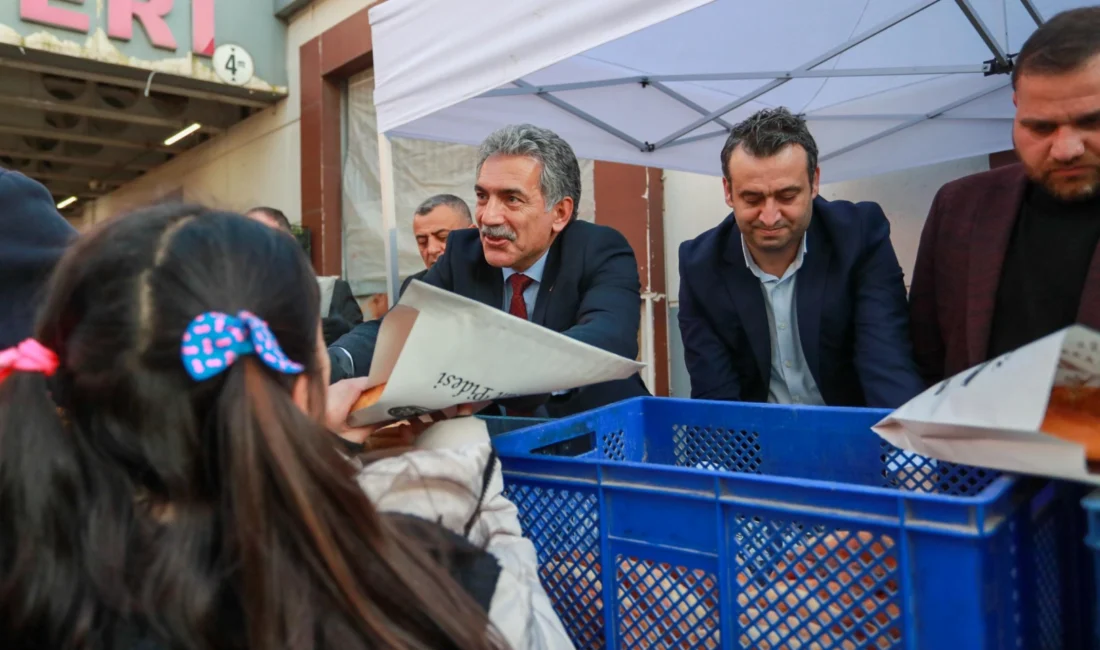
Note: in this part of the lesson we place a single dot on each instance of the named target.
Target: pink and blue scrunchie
(213, 341)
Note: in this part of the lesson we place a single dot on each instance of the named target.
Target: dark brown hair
(1060, 45)
(211, 514)
(767, 132)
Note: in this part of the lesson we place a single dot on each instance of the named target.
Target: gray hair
(449, 200)
(561, 174)
(766, 133)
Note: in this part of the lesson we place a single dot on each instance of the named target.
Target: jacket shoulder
(598, 235)
(708, 245)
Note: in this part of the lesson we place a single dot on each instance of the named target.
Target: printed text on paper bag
(467, 390)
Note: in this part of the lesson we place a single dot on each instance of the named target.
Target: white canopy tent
(885, 84)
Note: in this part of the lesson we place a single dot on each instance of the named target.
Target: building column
(630, 199)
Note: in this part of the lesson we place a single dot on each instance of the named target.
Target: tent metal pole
(587, 117)
(913, 122)
(1033, 11)
(983, 31)
(687, 102)
(709, 135)
(389, 216)
(737, 76)
(813, 63)
(819, 74)
(557, 88)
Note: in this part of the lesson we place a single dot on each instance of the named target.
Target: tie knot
(519, 282)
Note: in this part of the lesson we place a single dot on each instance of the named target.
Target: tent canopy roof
(884, 84)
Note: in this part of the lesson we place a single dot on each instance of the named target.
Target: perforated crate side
(563, 523)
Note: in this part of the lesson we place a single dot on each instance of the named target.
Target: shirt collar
(535, 272)
(760, 273)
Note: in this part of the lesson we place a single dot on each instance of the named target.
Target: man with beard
(793, 299)
(1010, 255)
(532, 257)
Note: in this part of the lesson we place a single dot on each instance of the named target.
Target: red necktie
(518, 306)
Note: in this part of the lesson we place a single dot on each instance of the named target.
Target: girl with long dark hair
(166, 479)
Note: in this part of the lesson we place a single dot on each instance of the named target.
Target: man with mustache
(793, 299)
(532, 257)
(1010, 255)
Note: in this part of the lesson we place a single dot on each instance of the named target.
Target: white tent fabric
(885, 84)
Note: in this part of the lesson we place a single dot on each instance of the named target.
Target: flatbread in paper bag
(1032, 411)
(436, 349)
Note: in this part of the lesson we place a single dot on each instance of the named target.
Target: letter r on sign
(151, 13)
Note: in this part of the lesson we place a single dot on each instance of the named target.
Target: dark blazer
(962, 252)
(589, 292)
(415, 276)
(33, 236)
(850, 298)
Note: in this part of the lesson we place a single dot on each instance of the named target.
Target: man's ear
(727, 191)
(815, 183)
(563, 212)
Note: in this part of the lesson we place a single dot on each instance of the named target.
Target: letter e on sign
(40, 11)
(233, 64)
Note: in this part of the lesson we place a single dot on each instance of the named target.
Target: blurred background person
(33, 236)
(433, 222)
(343, 312)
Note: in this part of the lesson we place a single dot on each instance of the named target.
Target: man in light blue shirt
(790, 381)
(793, 299)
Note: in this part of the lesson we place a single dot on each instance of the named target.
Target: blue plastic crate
(1092, 511)
(683, 524)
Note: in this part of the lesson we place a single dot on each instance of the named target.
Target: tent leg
(649, 352)
(389, 216)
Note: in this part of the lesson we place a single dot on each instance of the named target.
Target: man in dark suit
(531, 257)
(344, 312)
(793, 299)
(433, 222)
(1011, 255)
(33, 236)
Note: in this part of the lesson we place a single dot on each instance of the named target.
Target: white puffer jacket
(454, 478)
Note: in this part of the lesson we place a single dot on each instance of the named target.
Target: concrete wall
(694, 203)
(258, 161)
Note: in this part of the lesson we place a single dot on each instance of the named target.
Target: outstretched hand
(342, 397)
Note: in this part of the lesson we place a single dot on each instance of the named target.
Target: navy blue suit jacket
(852, 313)
(589, 292)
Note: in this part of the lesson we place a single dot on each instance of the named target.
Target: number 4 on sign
(233, 64)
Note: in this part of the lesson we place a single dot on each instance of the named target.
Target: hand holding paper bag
(1032, 411)
(436, 349)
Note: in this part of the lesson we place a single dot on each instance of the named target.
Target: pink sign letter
(151, 13)
(40, 11)
(202, 27)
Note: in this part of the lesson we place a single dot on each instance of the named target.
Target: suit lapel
(489, 284)
(748, 299)
(1088, 312)
(811, 283)
(549, 276)
(993, 217)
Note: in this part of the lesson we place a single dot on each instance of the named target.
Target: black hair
(766, 133)
(1060, 45)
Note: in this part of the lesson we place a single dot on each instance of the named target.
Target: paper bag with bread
(436, 349)
(1032, 411)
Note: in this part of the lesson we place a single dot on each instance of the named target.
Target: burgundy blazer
(954, 287)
